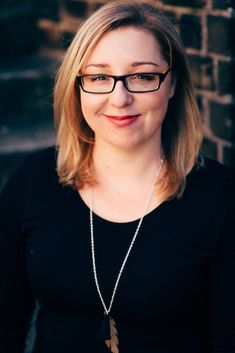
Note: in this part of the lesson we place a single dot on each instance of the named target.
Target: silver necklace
(108, 331)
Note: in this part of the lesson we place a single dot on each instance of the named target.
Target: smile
(122, 120)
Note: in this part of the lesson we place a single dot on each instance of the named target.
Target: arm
(16, 299)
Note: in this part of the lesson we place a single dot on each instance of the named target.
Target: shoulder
(212, 175)
(38, 168)
(35, 179)
(42, 158)
(209, 196)
(210, 189)
(215, 168)
(38, 165)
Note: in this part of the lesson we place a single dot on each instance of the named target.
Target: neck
(125, 166)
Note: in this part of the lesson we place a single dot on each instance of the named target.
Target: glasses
(141, 82)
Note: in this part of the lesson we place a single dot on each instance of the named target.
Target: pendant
(109, 334)
(112, 343)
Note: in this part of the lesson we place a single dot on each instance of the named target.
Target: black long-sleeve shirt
(177, 291)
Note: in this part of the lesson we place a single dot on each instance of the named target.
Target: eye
(144, 77)
(99, 77)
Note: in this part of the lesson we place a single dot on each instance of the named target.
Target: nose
(120, 95)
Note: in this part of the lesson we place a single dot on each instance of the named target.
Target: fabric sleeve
(223, 275)
(16, 298)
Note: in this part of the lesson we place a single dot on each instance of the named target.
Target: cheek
(157, 103)
(90, 104)
(157, 109)
(84, 105)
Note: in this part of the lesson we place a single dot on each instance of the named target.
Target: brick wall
(207, 28)
(36, 33)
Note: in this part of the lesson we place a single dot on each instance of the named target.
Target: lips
(122, 120)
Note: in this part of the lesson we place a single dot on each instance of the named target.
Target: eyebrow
(134, 64)
(140, 63)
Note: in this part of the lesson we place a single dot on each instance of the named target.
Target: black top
(177, 291)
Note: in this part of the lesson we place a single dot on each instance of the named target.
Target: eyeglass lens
(142, 82)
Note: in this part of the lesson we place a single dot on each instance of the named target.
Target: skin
(127, 125)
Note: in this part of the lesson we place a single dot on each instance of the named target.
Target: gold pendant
(112, 343)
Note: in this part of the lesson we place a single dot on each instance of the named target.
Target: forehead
(125, 45)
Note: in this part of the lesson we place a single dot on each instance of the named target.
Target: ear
(173, 84)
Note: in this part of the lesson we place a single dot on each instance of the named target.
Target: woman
(123, 234)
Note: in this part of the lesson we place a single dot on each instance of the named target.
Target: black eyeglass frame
(122, 78)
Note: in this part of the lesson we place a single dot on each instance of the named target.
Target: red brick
(191, 31)
(77, 8)
(221, 35)
(186, 3)
(202, 72)
(226, 77)
(222, 120)
(32, 93)
(47, 9)
(223, 4)
(199, 102)
(66, 39)
(209, 148)
(19, 32)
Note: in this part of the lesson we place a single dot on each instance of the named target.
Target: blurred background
(35, 34)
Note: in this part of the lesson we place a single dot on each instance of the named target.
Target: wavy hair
(181, 129)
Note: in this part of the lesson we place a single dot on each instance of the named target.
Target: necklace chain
(108, 309)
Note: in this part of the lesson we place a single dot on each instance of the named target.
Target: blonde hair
(181, 130)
